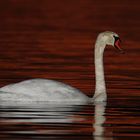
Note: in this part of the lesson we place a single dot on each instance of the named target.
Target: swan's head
(110, 38)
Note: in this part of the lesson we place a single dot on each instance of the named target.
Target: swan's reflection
(41, 119)
(40, 112)
(52, 119)
(99, 117)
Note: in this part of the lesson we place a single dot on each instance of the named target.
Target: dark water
(101, 121)
(47, 39)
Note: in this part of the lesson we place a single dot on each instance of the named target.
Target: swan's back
(41, 90)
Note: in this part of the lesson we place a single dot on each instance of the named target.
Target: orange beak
(117, 45)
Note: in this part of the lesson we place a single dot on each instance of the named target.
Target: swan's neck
(100, 88)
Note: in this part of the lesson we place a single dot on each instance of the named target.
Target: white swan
(50, 90)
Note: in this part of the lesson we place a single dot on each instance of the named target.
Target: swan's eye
(117, 38)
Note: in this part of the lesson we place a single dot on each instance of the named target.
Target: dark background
(55, 39)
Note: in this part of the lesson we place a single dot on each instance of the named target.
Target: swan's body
(42, 90)
(49, 90)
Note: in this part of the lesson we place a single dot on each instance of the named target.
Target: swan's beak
(117, 45)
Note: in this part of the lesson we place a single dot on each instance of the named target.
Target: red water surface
(55, 40)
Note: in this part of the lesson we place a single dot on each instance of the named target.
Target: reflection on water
(55, 121)
(99, 119)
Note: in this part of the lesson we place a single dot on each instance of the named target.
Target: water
(39, 39)
(101, 121)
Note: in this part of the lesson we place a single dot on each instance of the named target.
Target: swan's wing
(41, 89)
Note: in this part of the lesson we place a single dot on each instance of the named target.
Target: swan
(54, 91)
